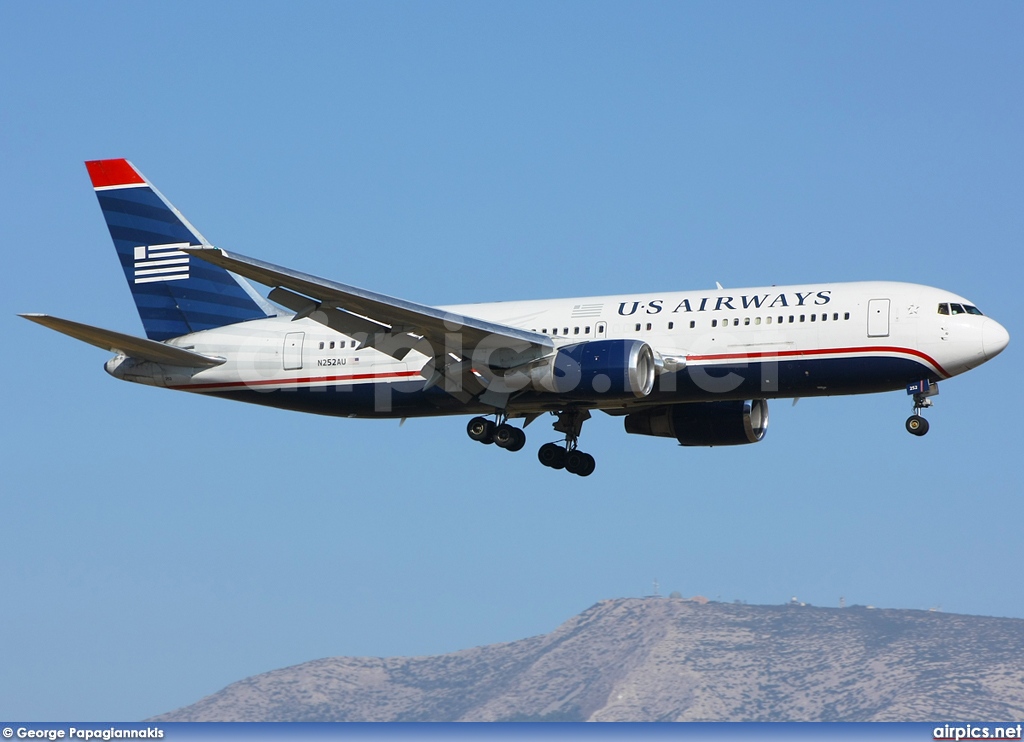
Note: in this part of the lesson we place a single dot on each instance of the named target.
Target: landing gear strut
(498, 432)
(922, 391)
(566, 455)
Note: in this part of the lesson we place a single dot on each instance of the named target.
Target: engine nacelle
(704, 423)
(598, 368)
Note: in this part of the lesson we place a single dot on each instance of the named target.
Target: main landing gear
(563, 455)
(566, 455)
(922, 391)
(499, 433)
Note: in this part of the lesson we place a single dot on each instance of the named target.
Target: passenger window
(813, 316)
(545, 331)
(757, 320)
(565, 330)
(824, 316)
(846, 316)
(321, 346)
(575, 331)
(802, 317)
(586, 330)
(692, 324)
(332, 345)
(638, 327)
(670, 324)
(781, 319)
(791, 318)
(767, 320)
(835, 316)
(648, 325)
(714, 323)
(746, 321)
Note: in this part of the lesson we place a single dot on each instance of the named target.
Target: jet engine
(704, 423)
(602, 368)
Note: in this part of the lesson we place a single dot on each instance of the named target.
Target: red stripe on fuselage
(819, 352)
(107, 173)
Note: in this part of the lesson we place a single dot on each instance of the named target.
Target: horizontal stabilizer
(129, 345)
(337, 319)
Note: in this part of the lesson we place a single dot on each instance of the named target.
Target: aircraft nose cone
(994, 338)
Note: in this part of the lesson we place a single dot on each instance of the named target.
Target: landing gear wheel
(579, 463)
(552, 455)
(509, 437)
(520, 440)
(917, 425)
(481, 429)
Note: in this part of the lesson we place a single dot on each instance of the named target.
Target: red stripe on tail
(106, 173)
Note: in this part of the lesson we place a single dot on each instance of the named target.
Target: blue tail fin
(175, 293)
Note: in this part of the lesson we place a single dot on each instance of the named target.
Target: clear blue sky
(156, 546)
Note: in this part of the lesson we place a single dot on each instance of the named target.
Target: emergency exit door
(878, 318)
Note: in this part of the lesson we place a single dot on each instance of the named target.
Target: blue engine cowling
(704, 423)
(598, 368)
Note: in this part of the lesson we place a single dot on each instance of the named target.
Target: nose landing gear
(923, 391)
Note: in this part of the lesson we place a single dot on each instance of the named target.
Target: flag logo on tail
(161, 262)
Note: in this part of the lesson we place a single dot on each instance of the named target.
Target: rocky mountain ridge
(662, 659)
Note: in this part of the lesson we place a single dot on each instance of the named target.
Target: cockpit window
(959, 309)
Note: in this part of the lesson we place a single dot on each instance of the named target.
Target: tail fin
(175, 293)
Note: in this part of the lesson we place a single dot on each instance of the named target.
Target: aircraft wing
(393, 326)
(129, 345)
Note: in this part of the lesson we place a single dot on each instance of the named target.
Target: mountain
(666, 659)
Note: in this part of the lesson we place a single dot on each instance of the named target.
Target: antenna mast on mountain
(656, 586)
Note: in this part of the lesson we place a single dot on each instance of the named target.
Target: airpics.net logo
(161, 263)
(971, 732)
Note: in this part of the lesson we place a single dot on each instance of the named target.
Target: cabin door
(293, 350)
(878, 318)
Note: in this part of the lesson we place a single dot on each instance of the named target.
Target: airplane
(696, 366)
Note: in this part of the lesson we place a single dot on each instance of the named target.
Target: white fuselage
(777, 341)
